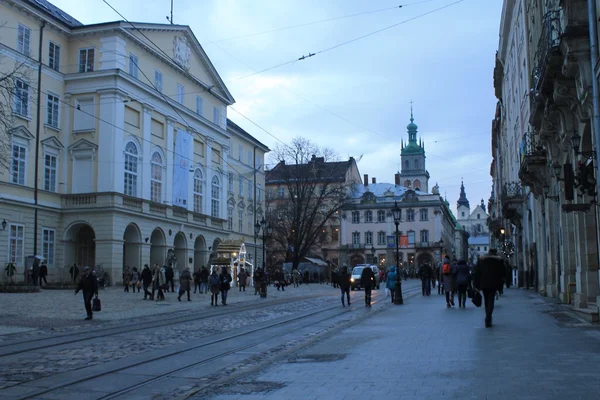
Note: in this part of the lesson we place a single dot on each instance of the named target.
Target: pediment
(21, 132)
(410, 195)
(183, 49)
(231, 201)
(389, 193)
(83, 144)
(368, 197)
(53, 142)
(242, 204)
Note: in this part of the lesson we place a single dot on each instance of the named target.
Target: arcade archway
(132, 244)
(80, 245)
(180, 249)
(158, 247)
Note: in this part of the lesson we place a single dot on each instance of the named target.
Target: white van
(357, 272)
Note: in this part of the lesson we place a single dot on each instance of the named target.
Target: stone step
(589, 313)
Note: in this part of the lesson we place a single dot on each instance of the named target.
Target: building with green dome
(413, 173)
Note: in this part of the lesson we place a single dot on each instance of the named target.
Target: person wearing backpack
(225, 279)
(215, 287)
(447, 279)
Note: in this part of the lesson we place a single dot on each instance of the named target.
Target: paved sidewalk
(536, 350)
(21, 312)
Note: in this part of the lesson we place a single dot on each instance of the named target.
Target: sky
(354, 98)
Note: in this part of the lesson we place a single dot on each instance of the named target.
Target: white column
(224, 183)
(192, 164)
(209, 173)
(66, 140)
(110, 141)
(170, 148)
(146, 144)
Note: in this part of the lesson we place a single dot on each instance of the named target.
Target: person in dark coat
(197, 280)
(215, 287)
(147, 281)
(74, 271)
(204, 273)
(185, 283)
(225, 278)
(170, 277)
(242, 277)
(367, 280)
(343, 278)
(463, 279)
(35, 271)
(488, 275)
(258, 280)
(89, 286)
(447, 280)
(43, 273)
(425, 274)
(335, 278)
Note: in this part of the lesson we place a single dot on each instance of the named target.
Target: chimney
(397, 179)
(366, 179)
(373, 180)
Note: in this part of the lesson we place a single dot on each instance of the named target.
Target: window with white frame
(411, 237)
(381, 238)
(355, 217)
(230, 182)
(180, 93)
(21, 97)
(381, 216)
(86, 60)
(50, 172)
(131, 169)
(19, 164)
(410, 215)
(16, 241)
(424, 236)
(368, 216)
(249, 157)
(199, 104)
(23, 39)
(424, 215)
(216, 115)
(198, 191)
(335, 234)
(52, 110)
(54, 56)
(48, 245)
(230, 218)
(241, 184)
(356, 238)
(258, 192)
(369, 238)
(158, 80)
(215, 197)
(156, 177)
(240, 220)
(133, 65)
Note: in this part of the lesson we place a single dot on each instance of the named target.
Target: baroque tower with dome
(413, 174)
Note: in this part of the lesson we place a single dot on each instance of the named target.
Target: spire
(412, 128)
(483, 205)
(462, 199)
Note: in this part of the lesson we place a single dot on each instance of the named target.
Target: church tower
(462, 205)
(413, 174)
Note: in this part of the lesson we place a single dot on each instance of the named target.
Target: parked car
(357, 272)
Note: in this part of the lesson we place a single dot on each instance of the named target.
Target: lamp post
(256, 232)
(267, 229)
(502, 233)
(396, 212)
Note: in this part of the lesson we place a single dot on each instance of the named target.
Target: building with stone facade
(427, 227)
(544, 143)
(475, 224)
(121, 152)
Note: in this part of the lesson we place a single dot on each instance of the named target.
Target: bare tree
(8, 74)
(312, 188)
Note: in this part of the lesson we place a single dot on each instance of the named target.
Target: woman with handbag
(135, 280)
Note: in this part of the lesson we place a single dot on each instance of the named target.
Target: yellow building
(120, 146)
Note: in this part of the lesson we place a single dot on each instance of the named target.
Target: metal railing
(512, 190)
(530, 146)
(549, 41)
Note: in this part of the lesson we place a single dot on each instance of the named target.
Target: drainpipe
(37, 141)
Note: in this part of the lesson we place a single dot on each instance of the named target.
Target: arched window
(215, 197)
(407, 183)
(131, 169)
(198, 191)
(417, 184)
(156, 178)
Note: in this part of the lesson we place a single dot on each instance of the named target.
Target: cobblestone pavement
(422, 350)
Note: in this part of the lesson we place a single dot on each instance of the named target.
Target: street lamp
(396, 213)
(256, 232)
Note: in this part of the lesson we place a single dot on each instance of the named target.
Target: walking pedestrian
(258, 280)
(126, 278)
(185, 283)
(43, 273)
(147, 281)
(204, 273)
(425, 274)
(446, 277)
(463, 279)
(158, 282)
(390, 283)
(215, 288)
(344, 282)
(135, 280)
(225, 279)
(242, 276)
(487, 277)
(74, 272)
(367, 280)
(197, 280)
(35, 270)
(170, 277)
(89, 286)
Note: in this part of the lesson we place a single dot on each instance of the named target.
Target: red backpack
(446, 269)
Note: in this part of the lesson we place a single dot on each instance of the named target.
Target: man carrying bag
(89, 286)
(487, 277)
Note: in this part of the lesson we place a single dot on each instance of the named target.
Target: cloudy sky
(354, 98)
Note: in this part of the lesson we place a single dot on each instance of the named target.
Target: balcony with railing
(532, 156)
(547, 61)
(512, 199)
